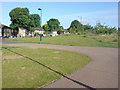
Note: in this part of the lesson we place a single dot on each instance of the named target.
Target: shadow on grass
(84, 85)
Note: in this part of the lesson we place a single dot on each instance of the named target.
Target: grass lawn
(74, 40)
(0, 70)
(20, 72)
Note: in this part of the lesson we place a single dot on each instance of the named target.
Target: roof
(40, 29)
(2, 26)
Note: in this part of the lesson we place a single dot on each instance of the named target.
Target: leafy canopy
(53, 24)
(46, 27)
(76, 26)
(20, 17)
(34, 20)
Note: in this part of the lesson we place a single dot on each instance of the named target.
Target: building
(0, 31)
(21, 32)
(53, 33)
(5, 31)
(39, 30)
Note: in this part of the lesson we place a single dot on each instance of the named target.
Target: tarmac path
(101, 72)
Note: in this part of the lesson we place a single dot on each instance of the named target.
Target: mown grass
(0, 69)
(24, 73)
(75, 40)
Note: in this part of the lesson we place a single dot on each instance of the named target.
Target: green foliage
(102, 29)
(32, 20)
(53, 24)
(35, 20)
(72, 30)
(87, 27)
(76, 26)
(31, 30)
(19, 17)
(60, 30)
(46, 27)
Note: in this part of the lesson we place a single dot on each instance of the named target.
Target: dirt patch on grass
(57, 52)
(23, 68)
(55, 57)
(12, 57)
(43, 57)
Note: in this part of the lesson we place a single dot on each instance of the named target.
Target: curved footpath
(101, 72)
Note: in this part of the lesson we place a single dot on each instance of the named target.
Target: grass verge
(24, 73)
(75, 40)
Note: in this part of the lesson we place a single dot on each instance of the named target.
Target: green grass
(74, 40)
(23, 73)
(0, 70)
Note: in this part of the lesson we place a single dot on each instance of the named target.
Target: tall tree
(53, 24)
(19, 17)
(34, 20)
(75, 25)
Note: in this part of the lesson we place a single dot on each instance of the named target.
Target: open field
(20, 72)
(75, 40)
(0, 69)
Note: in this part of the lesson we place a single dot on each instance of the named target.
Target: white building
(21, 32)
(54, 33)
(39, 30)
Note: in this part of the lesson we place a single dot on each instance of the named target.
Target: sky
(66, 12)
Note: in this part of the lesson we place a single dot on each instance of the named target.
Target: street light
(41, 24)
(41, 16)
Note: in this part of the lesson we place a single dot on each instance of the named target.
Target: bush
(83, 36)
(100, 40)
(115, 40)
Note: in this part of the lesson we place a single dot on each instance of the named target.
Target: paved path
(101, 72)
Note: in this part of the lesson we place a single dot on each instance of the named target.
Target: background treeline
(77, 27)
(20, 17)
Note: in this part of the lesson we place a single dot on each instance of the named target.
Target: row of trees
(21, 17)
(77, 27)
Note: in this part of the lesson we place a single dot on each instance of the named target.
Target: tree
(60, 30)
(19, 17)
(87, 27)
(72, 30)
(102, 29)
(34, 20)
(53, 24)
(76, 25)
(46, 27)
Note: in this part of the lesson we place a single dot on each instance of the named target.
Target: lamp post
(41, 16)
(41, 24)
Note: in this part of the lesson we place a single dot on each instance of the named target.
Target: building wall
(0, 32)
(22, 32)
(40, 32)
